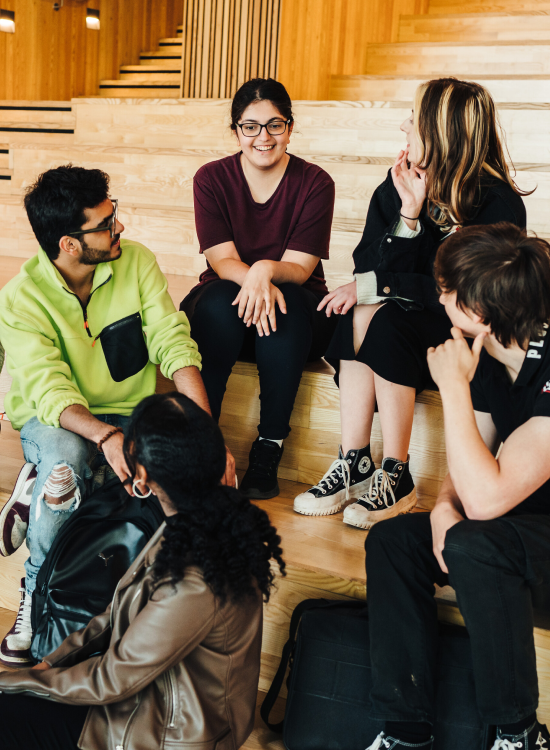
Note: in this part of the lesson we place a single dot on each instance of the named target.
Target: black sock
(519, 727)
(413, 732)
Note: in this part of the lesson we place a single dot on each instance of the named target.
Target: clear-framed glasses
(273, 127)
(110, 226)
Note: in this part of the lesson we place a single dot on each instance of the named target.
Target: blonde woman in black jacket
(453, 173)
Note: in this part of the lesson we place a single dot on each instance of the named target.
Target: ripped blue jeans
(53, 449)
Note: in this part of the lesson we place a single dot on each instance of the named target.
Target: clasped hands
(258, 297)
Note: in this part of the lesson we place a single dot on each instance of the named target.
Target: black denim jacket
(405, 266)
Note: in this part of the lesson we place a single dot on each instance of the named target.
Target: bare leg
(360, 388)
(396, 410)
(357, 395)
(60, 486)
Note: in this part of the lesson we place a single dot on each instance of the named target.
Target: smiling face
(263, 151)
(414, 145)
(100, 247)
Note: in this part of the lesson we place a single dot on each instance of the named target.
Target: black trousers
(302, 335)
(29, 723)
(496, 567)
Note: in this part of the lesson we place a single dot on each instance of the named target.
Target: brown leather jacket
(165, 670)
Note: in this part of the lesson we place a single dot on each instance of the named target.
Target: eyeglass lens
(112, 225)
(251, 129)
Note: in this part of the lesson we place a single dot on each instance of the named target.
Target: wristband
(409, 218)
(106, 437)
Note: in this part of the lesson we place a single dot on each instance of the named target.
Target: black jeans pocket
(124, 347)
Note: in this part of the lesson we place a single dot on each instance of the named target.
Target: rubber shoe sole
(305, 503)
(361, 518)
(254, 494)
(17, 662)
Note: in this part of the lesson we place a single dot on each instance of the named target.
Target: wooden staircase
(157, 76)
(505, 46)
(153, 149)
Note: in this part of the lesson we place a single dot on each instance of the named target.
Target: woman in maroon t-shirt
(263, 219)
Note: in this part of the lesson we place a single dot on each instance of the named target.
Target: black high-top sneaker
(260, 480)
(391, 493)
(347, 479)
(534, 738)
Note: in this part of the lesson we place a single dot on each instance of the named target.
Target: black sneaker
(534, 738)
(347, 479)
(260, 480)
(391, 493)
(385, 742)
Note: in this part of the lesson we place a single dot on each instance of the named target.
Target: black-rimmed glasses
(252, 129)
(110, 226)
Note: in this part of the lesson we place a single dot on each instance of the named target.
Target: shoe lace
(338, 470)
(379, 742)
(506, 745)
(23, 621)
(381, 484)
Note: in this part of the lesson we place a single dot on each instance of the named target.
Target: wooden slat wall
(53, 56)
(320, 38)
(227, 42)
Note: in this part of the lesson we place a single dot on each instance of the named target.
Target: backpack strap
(288, 649)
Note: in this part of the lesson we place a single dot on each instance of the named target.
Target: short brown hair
(500, 273)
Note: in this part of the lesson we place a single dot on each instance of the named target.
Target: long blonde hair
(457, 127)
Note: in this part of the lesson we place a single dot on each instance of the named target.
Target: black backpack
(328, 708)
(89, 556)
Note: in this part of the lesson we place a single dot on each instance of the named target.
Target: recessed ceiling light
(92, 19)
(7, 21)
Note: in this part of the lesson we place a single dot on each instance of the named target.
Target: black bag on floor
(89, 556)
(330, 681)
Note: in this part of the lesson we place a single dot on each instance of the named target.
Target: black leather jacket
(405, 266)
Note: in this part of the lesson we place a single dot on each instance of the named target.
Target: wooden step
(475, 27)
(504, 89)
(315, 423)
(150, 73)
(36, 121)
(459, 59)
(4, 156)
(486, 6)
(165, 54)
(337, 132)
(153, 89)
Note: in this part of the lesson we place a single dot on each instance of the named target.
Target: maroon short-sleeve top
(298, 216)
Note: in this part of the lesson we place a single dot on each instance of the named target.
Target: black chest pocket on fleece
(124, 347)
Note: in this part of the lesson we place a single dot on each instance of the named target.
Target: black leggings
(29, 723)
(302, 335)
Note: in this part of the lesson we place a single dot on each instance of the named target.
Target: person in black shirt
(488, 535)
(379, 350)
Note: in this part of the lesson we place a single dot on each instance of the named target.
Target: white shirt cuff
(402, 230)
(367, 288)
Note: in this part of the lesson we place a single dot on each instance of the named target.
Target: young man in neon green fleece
(84, 324)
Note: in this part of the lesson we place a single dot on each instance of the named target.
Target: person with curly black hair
(175, 660)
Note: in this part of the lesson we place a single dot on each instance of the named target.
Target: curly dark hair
(230, 539)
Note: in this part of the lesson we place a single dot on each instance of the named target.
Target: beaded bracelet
(409, 218)
(106, 437)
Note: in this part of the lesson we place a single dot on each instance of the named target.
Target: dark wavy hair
(500, 273)
(259, 90)
(56, 202)
(215, 528)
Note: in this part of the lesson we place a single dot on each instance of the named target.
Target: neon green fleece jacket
(102, 356)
